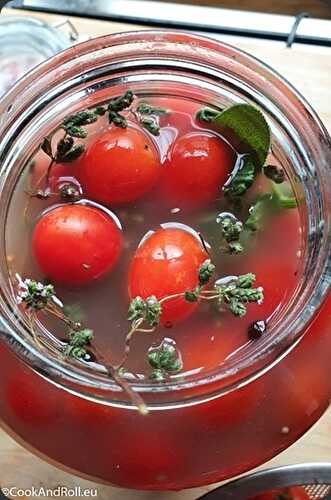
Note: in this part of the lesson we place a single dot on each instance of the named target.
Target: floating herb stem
(79, 345)
(233, 292)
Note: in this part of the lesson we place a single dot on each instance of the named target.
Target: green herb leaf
(100, 110)
(236, 292)
(74, 153)
(147, 109)
(148, 117)
(245, 280)
(206, 271)
(158, 375)
(153, 311)
(151, 125)
(46, 147)
(242, 179)
(165, 358)
(75, 131)
(235, 247)
(76, 352)
(257, 212)
(148, 310)
(247, 125)
(117, 119)
(34, 295)
(237, 307)
(207, 115)
(137, 309)
(73, 124)
(80, 119)
(122, 102)
(283, 196)
(119, 104)
(231, 231)
(192, 296)
(63, 147)
(80, 338)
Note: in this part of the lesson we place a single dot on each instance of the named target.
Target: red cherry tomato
(196, 168)
(166, 263)
(119, 166)
(292, 493)
(76, 244)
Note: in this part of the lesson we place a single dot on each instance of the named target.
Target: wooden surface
(309, 69)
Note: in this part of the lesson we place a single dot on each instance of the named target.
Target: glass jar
(80, 419)
(24, 43)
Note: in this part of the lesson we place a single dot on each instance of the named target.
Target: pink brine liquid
(183, 446)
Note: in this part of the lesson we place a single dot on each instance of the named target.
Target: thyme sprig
(149, 117)
(118, 104)
(79, 345)
(78, 340)
(231, 231)
(207, 115)
(73, 124)
(233, 292)
(34, 294)
(237, 291)
(67, 150)
(164, 359)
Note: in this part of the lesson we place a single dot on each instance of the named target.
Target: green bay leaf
(246, 128)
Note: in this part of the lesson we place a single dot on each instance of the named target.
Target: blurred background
(316, 8)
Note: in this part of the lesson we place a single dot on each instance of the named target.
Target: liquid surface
(207, 337)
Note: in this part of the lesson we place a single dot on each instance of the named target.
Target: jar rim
(58, 372)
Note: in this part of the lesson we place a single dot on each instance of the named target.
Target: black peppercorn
(256, 329)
